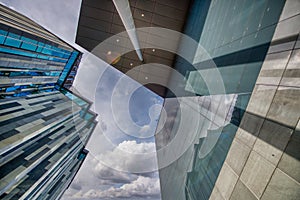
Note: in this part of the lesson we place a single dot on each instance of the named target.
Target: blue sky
(122, 159)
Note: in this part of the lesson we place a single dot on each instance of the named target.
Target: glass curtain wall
(236, 35)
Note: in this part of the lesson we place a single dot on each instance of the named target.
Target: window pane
(12, 42)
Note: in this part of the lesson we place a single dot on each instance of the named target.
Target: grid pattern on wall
(40, 136)
(263, 161)
(236, 35)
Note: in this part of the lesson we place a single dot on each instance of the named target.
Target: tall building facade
(32, 59)
(231, 129)
(44, 126)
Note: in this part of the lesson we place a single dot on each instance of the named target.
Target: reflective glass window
(12, 42)
(39, 49)
(43, 57)
(2, 36)
(13, 35)
(28, 40)
(3, 32)
(10, 89)
(46, 51)
(28, 46)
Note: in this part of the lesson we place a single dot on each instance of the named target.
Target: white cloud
(130, 156)
(108, 175)
(111, 175)
(141, 187)
(137, 148)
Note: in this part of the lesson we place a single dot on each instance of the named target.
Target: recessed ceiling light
(131, 64)
(118, 40)
(142, 15)
(153, 50)
(109, 52)
(146, 77)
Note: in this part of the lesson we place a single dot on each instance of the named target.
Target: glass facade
(20, 55)
(236, 35)
(44, 127)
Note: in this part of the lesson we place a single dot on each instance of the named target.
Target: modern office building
(32, 59)
(231, 129)
(44, 127)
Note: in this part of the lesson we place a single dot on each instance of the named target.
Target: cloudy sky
(122, 159)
